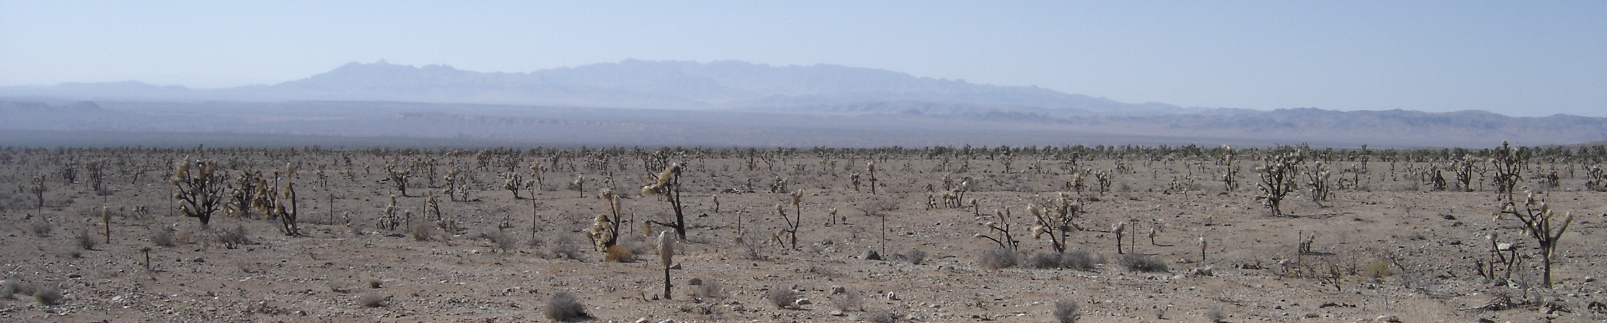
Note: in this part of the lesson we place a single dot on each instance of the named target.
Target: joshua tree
(287, 210)
(38, 189)
(999, 232)
(95, 168)
(1055, 221)
(1317, 180)
(1230, 174)
(1533, 212)
(1277, 179)
(511, 182)
(604, 232)
(791, 230)
(870, 167)
(668, 184)
(398, 177)
(200, 188)
(1537, 221)
(666, 256)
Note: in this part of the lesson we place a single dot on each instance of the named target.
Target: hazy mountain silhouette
(722, 104)
(627, 84)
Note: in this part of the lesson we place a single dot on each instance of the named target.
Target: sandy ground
(1389, 247)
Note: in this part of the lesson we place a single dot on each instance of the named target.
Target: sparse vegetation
(1066, 311)
(563, 306)
(1143, 263)
(782, 298)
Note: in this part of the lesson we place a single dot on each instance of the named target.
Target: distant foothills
(727, 103)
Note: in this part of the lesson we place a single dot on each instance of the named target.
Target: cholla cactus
(286, 211)
(604, 230)
(1230, 173)
(791, 228)
(398, 176)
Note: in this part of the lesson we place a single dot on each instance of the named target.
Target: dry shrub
(163, 237)
(371, 299)
(619, 253)
(782, 298)
(880, 316)
(1143, 263)
(709, 290)
(41, 229)
(9, 288)
(998, 258)
(1066, 311)
(1079, 260)
(564, 307)
(234, 237)
(49, 296)
(85, 240)
(847, 300)
(421, 231)
(562, 247)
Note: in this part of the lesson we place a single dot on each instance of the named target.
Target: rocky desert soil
(1387, 245)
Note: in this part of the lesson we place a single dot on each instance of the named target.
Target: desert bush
(998, 258)
(371, 299)
(881, 316)
(1066, 311)
(163, 237)
(618, 253)
(421, 231)
(84, 239)
(1215, 316)
(1044, 260)
(10, 288)
(41, 229)
(1079, 260)
(846, 300)
(915, 256)
(232, 238)
(709, 290)
(1143, 263)
(781, 298)
(564, 307)
(48, 296)
(562, 247)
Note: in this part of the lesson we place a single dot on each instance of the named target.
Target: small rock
(836, 313)
(695, 282)
(74, 275)
(199, 259)
(870, 255)
(802, 302)
(676, 266)
(640, 320)
(892, 296)
(1387, 318)
(1589, 279)
(838, 290)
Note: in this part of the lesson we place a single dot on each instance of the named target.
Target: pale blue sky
(1525, 58)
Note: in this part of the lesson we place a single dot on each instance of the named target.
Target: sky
(1524, 58)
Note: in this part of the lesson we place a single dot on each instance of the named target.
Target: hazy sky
(1515, 57)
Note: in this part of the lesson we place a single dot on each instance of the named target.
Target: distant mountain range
(627, 84)
(724, 103)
